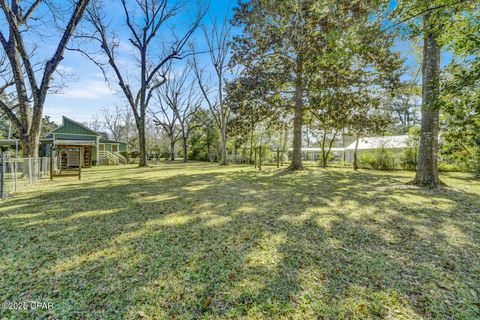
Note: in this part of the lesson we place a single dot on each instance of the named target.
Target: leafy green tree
(3, 128)
(366, 118)
(460, 92)
(347, 85)
(404, 106)
(203, 142)
(278, 37)
(435, 21)
(252, 106)
(284, 43)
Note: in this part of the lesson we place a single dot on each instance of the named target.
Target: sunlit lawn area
(198, 240)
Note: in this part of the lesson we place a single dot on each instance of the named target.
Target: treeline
(280, 73)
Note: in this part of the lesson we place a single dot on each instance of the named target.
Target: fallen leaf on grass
(361, 307)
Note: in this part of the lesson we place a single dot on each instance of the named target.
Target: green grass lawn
(197, 240)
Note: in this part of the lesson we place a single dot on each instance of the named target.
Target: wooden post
(260, 158)
(51, 162)
(80, 162)
(59, 160)
(30, 178)
(2, 177)
(14, 174)
(278, 158)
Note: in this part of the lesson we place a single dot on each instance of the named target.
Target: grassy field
(193, 241)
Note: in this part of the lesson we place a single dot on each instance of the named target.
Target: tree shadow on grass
(329, 244)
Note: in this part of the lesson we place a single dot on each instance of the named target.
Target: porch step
(116, 158)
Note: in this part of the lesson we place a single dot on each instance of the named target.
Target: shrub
(449, 167)
(476, 160)
(409, 159)
(380, 159)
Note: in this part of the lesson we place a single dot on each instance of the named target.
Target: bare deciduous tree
(31, 80)
(145, 21)
(182, 99)
(166, 118)
(116, 121)
(213, 89)
(95, 124)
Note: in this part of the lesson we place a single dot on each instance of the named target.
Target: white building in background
(374, 143)
(364, 144)
(387, 142)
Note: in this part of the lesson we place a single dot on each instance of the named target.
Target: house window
(101, 147)
(114, 148)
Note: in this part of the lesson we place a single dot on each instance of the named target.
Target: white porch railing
(107, 155)
(122, 159)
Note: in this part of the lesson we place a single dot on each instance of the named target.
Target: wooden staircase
(122, 159)
(116, 158)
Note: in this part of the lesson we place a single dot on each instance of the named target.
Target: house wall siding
(72, 130)
(63, 136)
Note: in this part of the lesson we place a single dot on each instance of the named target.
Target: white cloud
(56, 114)
(65, 69)
(126, 47)
(92, 89)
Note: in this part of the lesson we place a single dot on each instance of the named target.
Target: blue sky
(86, 93)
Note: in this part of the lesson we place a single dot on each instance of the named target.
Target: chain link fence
(18, 173)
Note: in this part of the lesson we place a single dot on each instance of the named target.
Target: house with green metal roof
(96, 148)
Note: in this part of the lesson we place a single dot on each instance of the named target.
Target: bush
(449, 167)
(381, 159)
(409, 159)
(476, 161)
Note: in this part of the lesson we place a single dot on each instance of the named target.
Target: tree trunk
(324, 152)
(172, 149)
(224, 145)
(355, 155)
(284, 146)
(324, 159)
(185, 157)
(427, 167)
(35, 132)
(327, 152)
(25, 145)
(29, 121)
(298, 120)
(30, 144)
(142, 143)
(250, 157)
(33, 147)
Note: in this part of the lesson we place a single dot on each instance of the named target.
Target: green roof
(110, 141)
(72, 127)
